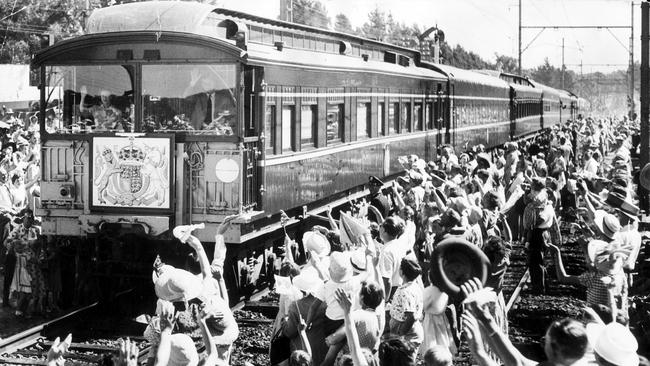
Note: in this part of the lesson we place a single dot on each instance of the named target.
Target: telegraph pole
(644, 112)
(631, 92)
(519, 68)
(562, 63)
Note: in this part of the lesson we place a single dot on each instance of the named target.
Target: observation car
(172, 113)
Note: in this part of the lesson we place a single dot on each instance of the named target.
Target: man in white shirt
(391, 255)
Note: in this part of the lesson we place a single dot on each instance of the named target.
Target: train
(172, 113)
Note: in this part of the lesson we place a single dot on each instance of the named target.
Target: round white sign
(227, 170)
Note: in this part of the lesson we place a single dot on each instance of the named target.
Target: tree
(506, 64)
(375, 28)
(310, 12)
(342, 24)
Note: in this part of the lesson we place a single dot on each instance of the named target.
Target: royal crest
(131, 172)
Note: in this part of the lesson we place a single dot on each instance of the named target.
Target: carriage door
(513, 112)
(450, 115)
(253, 146)
(438, 120)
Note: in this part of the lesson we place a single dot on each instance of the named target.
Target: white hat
(340, 267)
(358, 259)
(608, 224)
(316, 242)
(173, 284)
(617, 345)
(183, 351)
(307, 280)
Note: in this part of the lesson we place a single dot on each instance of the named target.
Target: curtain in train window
(288, 122)
(417, 117)
(308, 125)
(335, 123)
(405, 121)
(393, 118)
(269, 129)
(381, 118)
(363, 121)
(428, 116)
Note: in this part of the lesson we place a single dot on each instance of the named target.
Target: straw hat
(340, 267)
(313, 241)
(617, 345)
(183, 351)
(173, 284)
(608, 224)
(358, 260)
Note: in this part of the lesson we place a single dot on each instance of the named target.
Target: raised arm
(195, 243)
(351, 329)
(560, 272)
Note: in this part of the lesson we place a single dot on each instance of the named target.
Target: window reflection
(189, 98)
(95, 99)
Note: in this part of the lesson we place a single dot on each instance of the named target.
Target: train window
(288, 121)
(417, 117)
(363, 121)
(269, 129)
(198, 98)
(95, 98)
(335, 123)
(393, 118)
(405, 120)
(308, 125)
(381, 118)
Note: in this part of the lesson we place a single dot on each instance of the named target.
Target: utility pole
(562, 63)
(519, 68)
(631, 92)
(644, 112)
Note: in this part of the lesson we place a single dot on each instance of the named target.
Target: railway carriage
(171, 113)
(480, 107)
(213, 112)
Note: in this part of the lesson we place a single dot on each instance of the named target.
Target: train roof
(208, 20)
(467, 76)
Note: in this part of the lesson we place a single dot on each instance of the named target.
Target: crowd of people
(375, 287)
(31, 285)
(386, 285)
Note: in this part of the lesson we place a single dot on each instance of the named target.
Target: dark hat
(483, 157)
(375, 181)
(441, 175)
(454, 261)
(644, 176)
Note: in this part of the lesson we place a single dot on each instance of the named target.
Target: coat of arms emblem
(130, 172)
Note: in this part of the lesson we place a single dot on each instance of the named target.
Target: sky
(487, 27)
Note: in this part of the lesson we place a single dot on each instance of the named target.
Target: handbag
(280, 349)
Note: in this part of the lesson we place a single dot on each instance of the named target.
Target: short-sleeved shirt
(630, 238)
(597, 293)
(408, 298)
(390, 259)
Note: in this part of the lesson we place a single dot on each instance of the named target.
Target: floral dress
(409, 297)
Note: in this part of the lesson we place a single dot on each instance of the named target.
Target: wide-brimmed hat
(608, 224)
(617, 345)
(183, 351)
(308, 280)
(358, 260)
(644, 176)
(174, 284)
(340, 267)
(315, 242)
